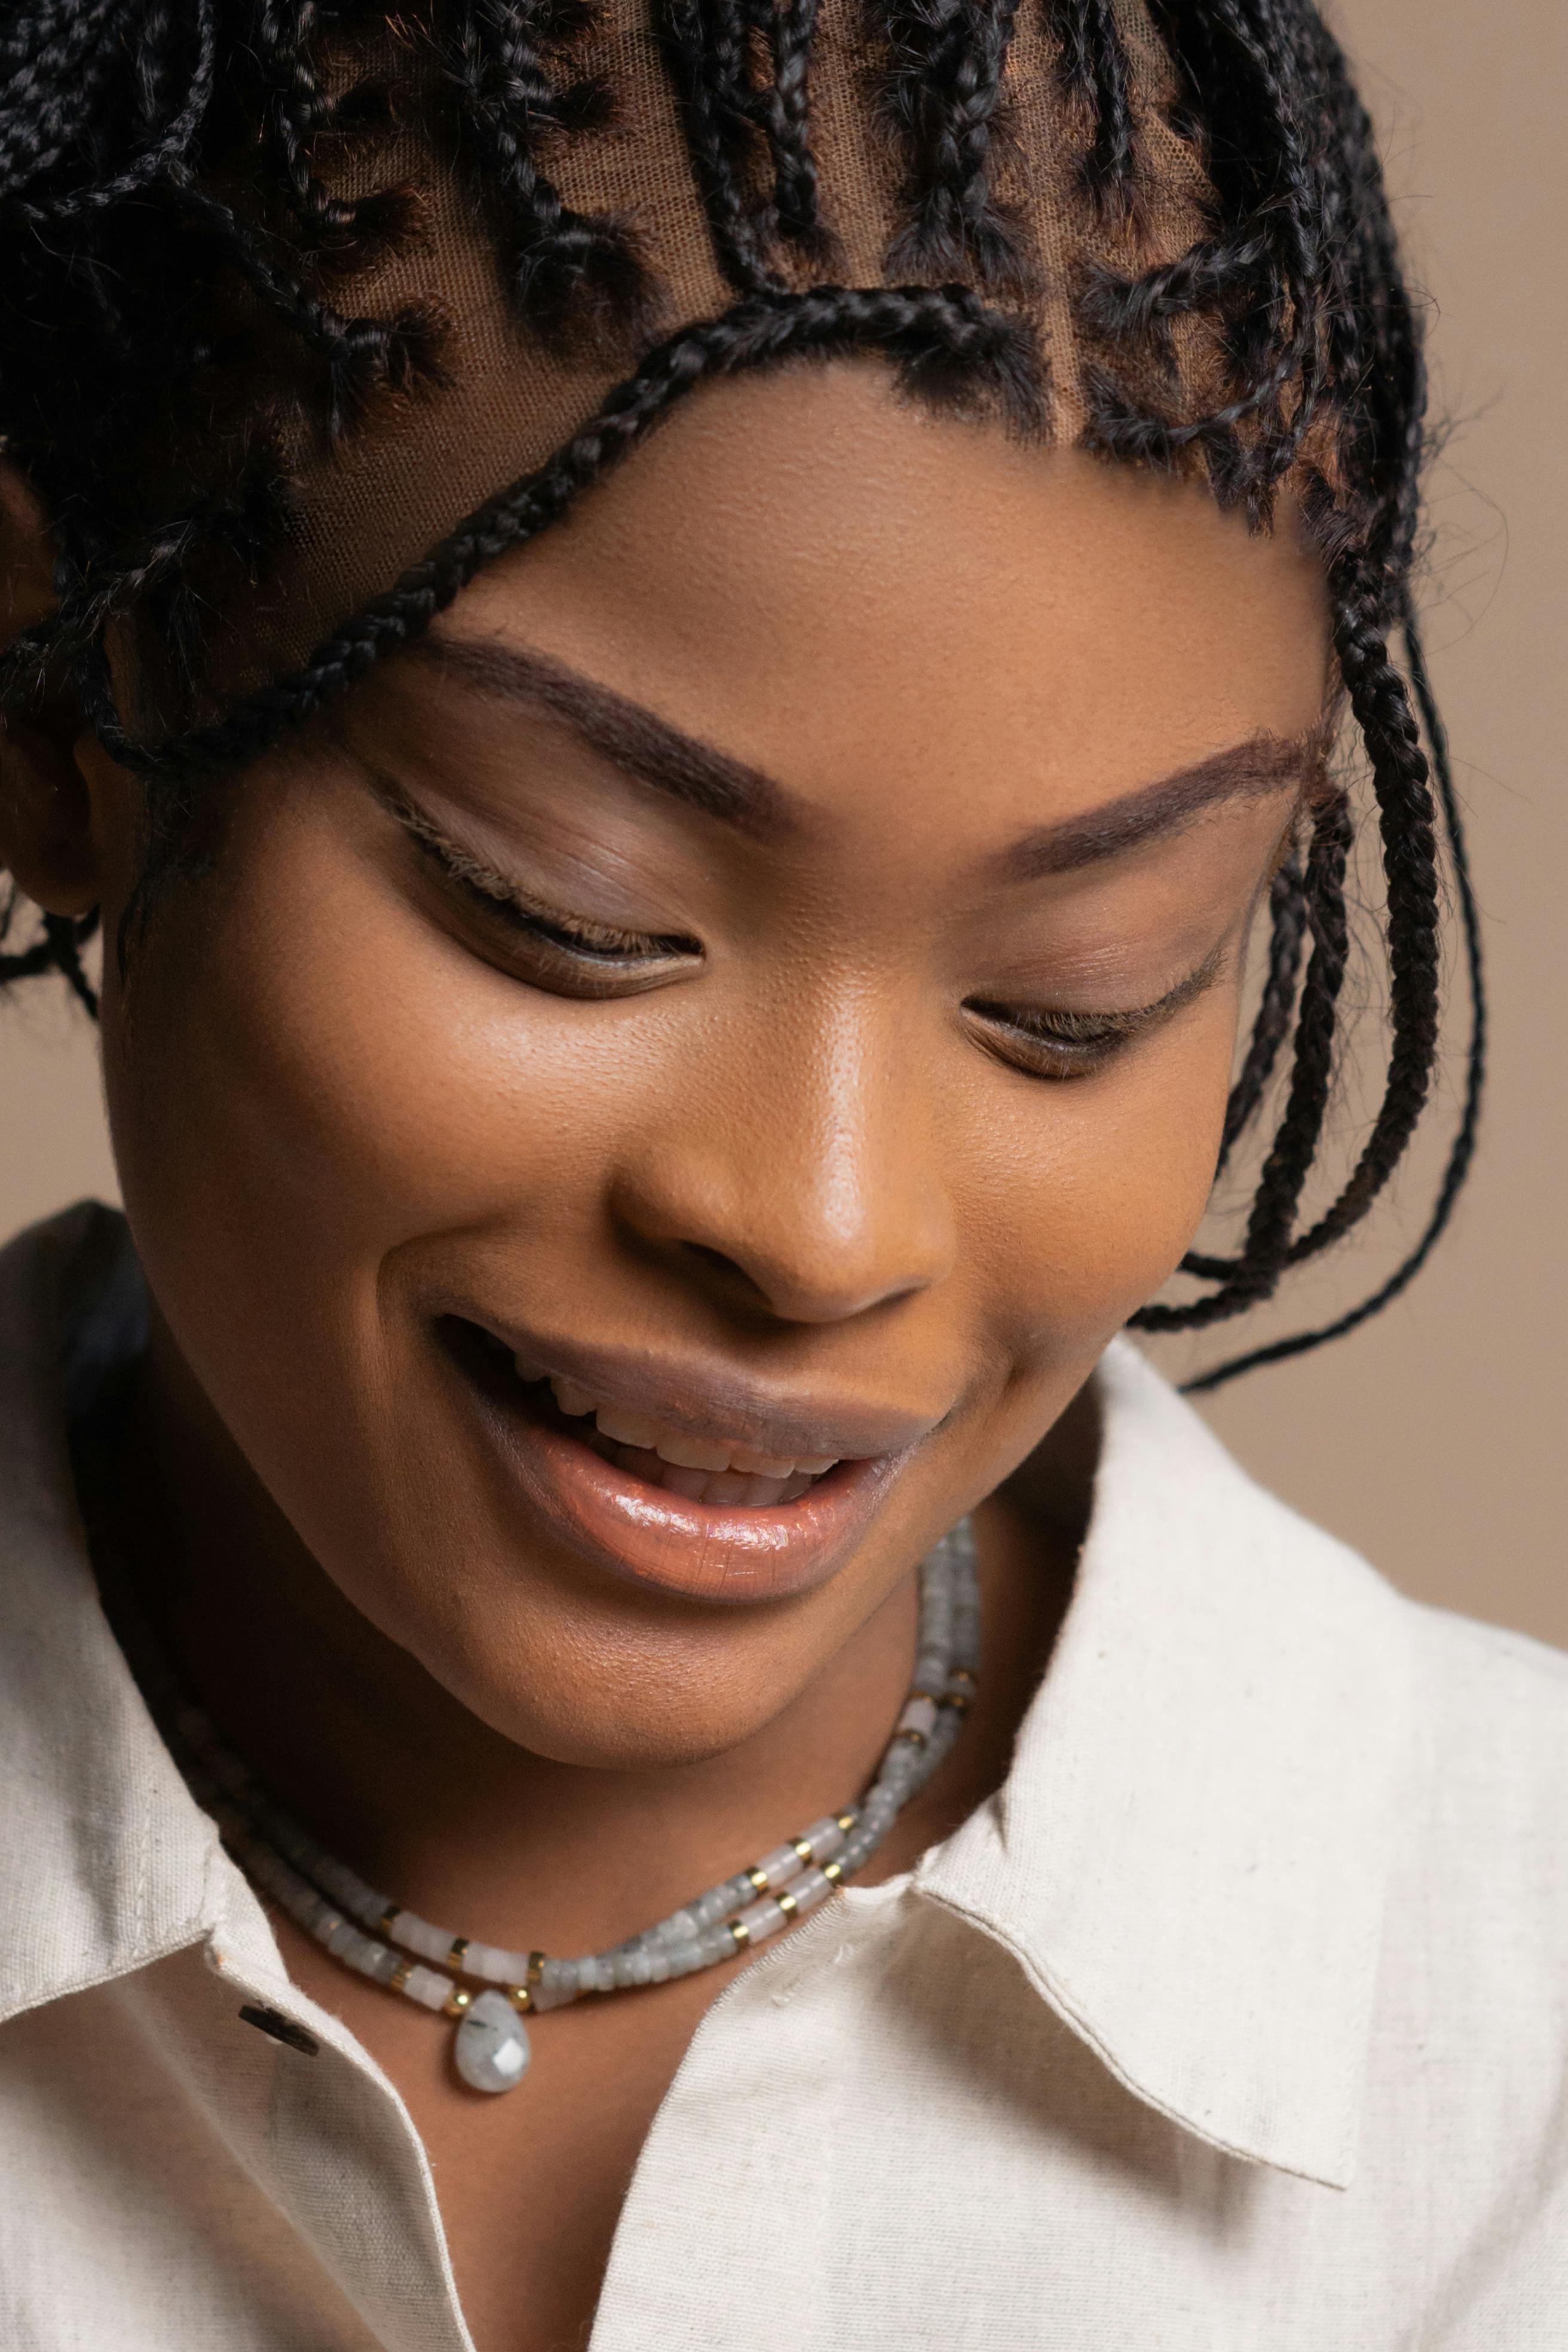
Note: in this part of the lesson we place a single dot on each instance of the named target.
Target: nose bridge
(804, 1155)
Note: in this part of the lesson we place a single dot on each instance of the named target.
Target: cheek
(305, 1078)
(1092, 1200)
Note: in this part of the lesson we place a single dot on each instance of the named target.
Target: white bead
(429, 1989)
(762, 1919)
(421, 1936)
(495, 1964)
(780, 1866)
(679, 1929)
(919, 1714)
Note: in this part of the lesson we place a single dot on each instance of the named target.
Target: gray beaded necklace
(368, 1931)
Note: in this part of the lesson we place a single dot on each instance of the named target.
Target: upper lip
(707, 1400)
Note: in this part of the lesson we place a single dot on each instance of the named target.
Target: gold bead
(459, 1952)
(401, 1974)
(535, 1967)
(457, 2002)
(787, 1903)
(759, 1879)
(847, 1822)
(383, 1925)
(801, 1847)
(833, 1872)
(741, 1933)
(915, 1739)
(519, 1997)
(959, 1701)
(961, 1674)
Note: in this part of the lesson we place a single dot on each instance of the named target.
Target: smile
(752, 1501)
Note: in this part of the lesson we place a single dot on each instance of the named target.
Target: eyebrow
(624, 732)
(1263, 765)
(667, 760)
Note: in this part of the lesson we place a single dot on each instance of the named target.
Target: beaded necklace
(379, 1937)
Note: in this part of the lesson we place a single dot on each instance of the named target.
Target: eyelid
(1100, 1029)
(573, 934)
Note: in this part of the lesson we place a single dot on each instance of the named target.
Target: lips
(733, 1534)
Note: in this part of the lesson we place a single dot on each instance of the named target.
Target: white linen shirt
(1236, 2022)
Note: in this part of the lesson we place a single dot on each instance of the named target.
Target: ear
(47, 832)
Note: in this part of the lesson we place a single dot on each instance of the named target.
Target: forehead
(815, 574)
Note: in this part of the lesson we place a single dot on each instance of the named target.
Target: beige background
(1432, 1439)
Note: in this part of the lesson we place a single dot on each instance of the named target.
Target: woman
(666, 996)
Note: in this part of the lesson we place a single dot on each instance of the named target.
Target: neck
(397, 1777)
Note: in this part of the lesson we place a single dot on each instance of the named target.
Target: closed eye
(573, 933)
(1051, 1043)
(553, 949)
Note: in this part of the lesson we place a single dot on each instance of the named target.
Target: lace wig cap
(515, 250)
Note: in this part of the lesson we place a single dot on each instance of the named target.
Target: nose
(801, 1178)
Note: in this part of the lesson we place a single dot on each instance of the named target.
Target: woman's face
(756, 992)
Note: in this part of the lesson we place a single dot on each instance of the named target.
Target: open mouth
(685, 1505)
(707, 1467)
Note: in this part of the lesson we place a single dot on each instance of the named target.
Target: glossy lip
(647, 1536)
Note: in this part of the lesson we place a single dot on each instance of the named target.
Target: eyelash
(1075, 1044)
(499, 901)
(595, 942)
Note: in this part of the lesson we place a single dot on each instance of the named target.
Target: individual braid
(1098, 77)
(567, 269)
(1400, 778)
(946, 60)
(706, 45)
(784, 110)
(54, 67)
(1287, 932)
(340, 235)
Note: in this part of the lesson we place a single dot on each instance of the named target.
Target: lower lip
(645, 1535)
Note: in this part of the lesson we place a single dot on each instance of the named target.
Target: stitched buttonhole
(281, 2028)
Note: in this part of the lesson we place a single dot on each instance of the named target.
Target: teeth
(760, 1465)
(685, 1452)
(704, 1470)
(626, 1428)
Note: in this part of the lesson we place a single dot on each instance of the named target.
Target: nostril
(729, 1268)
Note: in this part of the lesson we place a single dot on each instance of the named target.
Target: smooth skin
(842, 1118)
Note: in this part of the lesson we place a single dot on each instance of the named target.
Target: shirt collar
(1188, 1857)
(1190, 1854)
(106, 1861)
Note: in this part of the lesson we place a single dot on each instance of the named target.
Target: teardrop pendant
(490, 2047)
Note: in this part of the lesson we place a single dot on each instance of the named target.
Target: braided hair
(172, 226)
